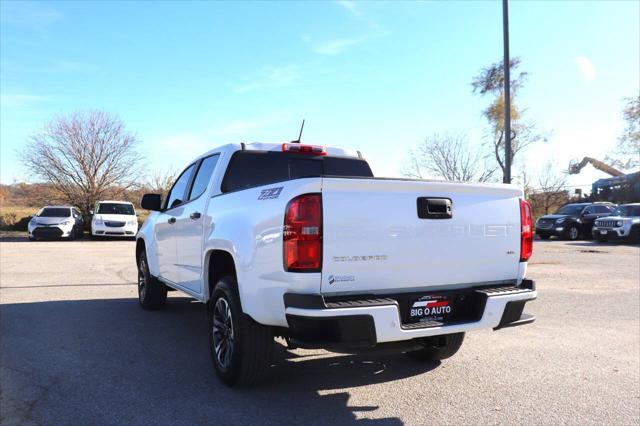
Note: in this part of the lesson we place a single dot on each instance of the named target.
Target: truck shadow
(107, 361)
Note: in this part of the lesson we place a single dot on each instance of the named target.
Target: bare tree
(160, 182)
(626, 154)
(84, 156)
(551, 189)
(524, 178)
(449, 157)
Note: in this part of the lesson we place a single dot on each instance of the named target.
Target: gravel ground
(76, 348)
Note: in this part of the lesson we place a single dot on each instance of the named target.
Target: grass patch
(16, 218)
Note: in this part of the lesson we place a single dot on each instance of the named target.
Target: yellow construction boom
(575, 167)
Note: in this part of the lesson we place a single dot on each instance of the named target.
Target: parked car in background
(623, 224)
(114, 219)
(301, 241)
(572, 221)
(56, 222)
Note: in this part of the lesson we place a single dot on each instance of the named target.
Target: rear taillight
(303, 234)
(526, 231)
(298, 148)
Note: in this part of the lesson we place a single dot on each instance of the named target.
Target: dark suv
(572, 220)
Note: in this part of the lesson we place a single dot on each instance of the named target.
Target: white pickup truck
(302, 242)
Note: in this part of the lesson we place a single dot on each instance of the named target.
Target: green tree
(490, 81)
(626, 154)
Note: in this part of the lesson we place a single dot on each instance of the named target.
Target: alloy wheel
(573, 233)
(142, 280)
(223, 336)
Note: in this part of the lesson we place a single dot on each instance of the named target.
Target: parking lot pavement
(75, 349)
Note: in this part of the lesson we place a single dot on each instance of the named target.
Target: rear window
(55, 212)
(249, 169)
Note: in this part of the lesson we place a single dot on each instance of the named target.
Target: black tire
(152, 294)
(634, 235)
(572, 233)
(438, 348)
(544, 236)
(31, 238)
(241, 349)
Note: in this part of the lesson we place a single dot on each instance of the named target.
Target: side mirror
(91, 212)
(151, 202)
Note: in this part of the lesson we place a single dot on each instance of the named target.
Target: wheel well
(140, 247)
(220, 264)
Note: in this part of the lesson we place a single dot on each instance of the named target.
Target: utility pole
(507, 93)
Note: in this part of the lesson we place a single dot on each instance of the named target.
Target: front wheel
(240, 347)
(438, 348)
(573, 232)
(152, 294)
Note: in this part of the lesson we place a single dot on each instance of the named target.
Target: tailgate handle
(434, 208)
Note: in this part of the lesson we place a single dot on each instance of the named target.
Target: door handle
(172, 220)
(195, 215)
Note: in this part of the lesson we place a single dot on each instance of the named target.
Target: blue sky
(374, 76)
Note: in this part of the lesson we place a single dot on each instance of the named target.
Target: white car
(623, 224)
(301, 241)
(56, 222)
(114, 219)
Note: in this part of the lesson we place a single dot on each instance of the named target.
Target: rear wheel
(438, 348)
(152, 294)
(241, 348)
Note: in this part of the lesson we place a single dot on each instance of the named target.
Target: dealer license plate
(603, 231)
(431, 308)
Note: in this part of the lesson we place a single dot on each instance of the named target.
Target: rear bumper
(315, 323)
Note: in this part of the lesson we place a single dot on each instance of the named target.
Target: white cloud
(337, 46)
(275, 77)
(587, 69)
(350, 6)
(17, 100)
(186, 146)
(27, 14)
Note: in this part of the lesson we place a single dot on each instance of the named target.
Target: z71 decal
(270, 193)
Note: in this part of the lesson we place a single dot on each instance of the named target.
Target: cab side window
(177, 193)
(588, 210)
(603, 209)
(203, 176)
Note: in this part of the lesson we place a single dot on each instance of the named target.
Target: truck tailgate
(374, 240)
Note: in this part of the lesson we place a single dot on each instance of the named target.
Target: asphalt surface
(76, 348)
